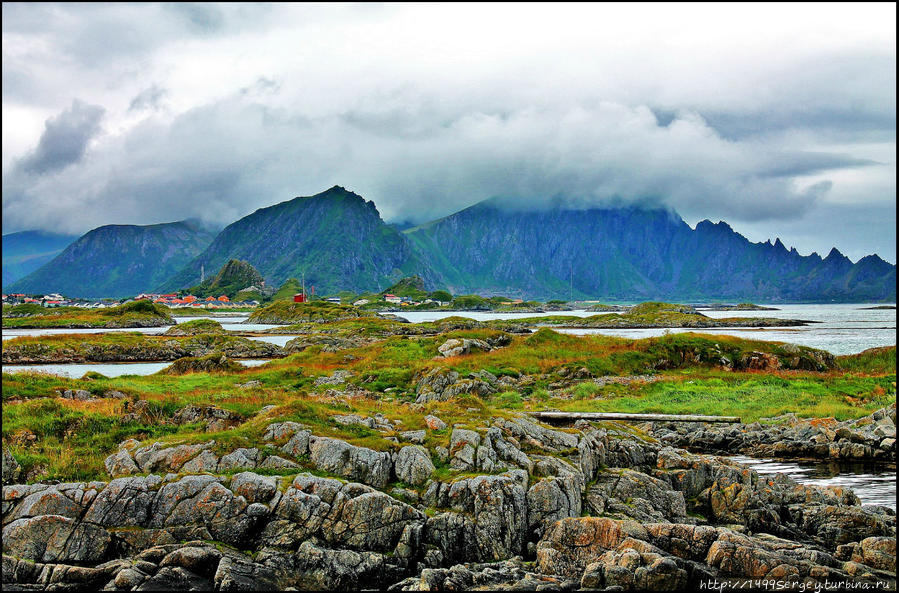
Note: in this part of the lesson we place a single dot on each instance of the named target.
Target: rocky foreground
(872, 437)
(510, 505)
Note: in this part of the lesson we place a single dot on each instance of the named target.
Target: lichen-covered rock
(498, 507)
(253, 487)
(869, 437)
(571, 544)
(351, 462)
(50, 501)
(528, 431)
(413, 465)
(214, 417)
(322, 569)
(628, 493)
(159, 457)
(241, 574)
(635, 565)
(552, 499)
(53, 538)
(205, 462)
(120, 463)
(10, 467)
(462, 346)
(124, 502)
(463, 447)
(277, 463)
(200, 505)
(242, 458)
(877, 552)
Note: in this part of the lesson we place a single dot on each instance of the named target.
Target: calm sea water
(872, 483)
(107, 369)
(842, 329)
(231, 323)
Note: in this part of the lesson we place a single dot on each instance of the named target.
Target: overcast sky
(779, 119)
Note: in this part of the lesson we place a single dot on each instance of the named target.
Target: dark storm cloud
(64, 140)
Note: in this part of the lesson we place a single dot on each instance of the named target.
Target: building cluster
(175, 301)
(410, 302)
(54, 300)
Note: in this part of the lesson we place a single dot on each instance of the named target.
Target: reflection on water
(106, 369)
(873, 483)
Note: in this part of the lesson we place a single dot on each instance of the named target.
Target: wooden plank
(632, 417)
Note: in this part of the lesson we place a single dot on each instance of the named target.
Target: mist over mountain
(26, 251)
(118, 260)
(632, 253)
(564, 249)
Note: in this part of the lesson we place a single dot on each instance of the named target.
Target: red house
(299, 298)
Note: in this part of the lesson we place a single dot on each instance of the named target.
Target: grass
(134, 314)
(131, 346)
(71, 438)
(751, 398)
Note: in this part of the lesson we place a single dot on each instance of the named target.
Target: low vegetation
(68, 438)
(130, 347)
(135, 314)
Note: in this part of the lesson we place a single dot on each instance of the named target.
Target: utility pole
(570, 281)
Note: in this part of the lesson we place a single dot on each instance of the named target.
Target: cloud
(215, 110)
(241, 155)
(149, 98)
(64, 140)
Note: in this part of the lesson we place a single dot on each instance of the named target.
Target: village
(172, 300)
(189, 301)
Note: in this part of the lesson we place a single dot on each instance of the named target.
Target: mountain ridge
(118, 260)
(338, 240)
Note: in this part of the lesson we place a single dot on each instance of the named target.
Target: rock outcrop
(593, 508)
(872, 437)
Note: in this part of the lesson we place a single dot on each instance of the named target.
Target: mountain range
(118, 260)
(336, 240)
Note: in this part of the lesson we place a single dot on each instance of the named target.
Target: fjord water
(839, 329)
(872, 483)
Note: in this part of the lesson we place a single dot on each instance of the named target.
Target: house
(299, 298)
(392, 298)
(333, 299)
(223, 299)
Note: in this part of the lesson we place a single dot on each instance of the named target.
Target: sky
(777, 118)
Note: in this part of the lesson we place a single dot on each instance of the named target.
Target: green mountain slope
(231, 279)
(632, 253)
(118, 260)
(336, 238)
